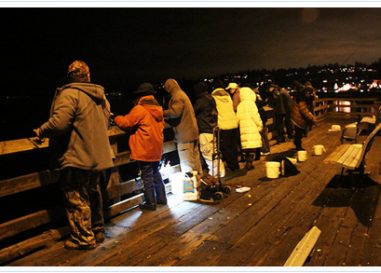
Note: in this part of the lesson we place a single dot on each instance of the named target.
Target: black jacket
(205, 109)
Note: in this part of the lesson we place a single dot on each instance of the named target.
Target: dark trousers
(281, 121)
(154, 189)
(83, 204)
(228, 147)
(299, 133)
(265, 140)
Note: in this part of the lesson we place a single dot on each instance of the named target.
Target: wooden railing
(346, 107)
(29, 223)
(42, 224)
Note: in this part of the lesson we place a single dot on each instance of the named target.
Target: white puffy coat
(250, 123)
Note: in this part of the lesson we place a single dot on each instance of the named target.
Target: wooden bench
(352, 156)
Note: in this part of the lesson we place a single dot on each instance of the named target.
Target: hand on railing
(38, 140)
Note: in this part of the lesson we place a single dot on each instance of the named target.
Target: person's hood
(95, 91)
(199, 89)
(220, 92)
(151, 105)
(221, 95)
(246, 93)
(171, 86)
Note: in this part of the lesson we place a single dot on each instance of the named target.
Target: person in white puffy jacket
(250, 125)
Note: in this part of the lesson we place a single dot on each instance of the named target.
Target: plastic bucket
(302, 156)
(319, 149)
(272, 169)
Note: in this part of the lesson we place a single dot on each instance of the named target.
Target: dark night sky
(125, 45)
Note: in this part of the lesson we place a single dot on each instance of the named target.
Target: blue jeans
(154, 189)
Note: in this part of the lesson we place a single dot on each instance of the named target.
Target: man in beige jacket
(77, 129)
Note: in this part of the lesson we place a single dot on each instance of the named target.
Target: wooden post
(303, 248)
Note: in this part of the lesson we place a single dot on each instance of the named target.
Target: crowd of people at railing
(225, 124)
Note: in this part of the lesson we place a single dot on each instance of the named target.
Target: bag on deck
(287, 167)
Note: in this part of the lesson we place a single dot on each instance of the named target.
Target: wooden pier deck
(257, 228)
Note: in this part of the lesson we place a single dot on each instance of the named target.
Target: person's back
(228, 125)
(205, 109)
(301, 117)
(206, 115)
(145, 123)
(180, 114)
(227, 119)
(250, 122)
(77, 129)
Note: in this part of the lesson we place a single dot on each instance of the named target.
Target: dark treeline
(20, 113)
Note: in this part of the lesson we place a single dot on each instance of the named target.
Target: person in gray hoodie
(77, 132)
(180, 115)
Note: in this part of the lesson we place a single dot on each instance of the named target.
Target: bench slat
(336, 154)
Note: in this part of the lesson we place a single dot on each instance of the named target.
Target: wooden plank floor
(257, 228)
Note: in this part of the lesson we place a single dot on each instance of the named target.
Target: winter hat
(78, 71)
(145, 89)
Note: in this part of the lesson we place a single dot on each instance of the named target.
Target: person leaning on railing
(145, 123)
(77, 129)
(301, 117)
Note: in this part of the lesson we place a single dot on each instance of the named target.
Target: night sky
(125, 46)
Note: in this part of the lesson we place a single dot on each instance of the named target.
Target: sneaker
(265, 153)
(99, 237)
(69, 244)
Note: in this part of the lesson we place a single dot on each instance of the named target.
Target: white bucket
(302, 156)
(272, 169)
(319, 149)
(335, 127)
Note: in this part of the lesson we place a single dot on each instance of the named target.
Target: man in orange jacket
(146, 123)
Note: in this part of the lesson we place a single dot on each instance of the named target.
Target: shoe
(99, 237)
(147, 206)
(161, 203)
(69, 244)
(265, 153)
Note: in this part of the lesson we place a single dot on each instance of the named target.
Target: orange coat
(146, 123)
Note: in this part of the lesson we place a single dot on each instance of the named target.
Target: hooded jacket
(281, 101)
(300, 115)
(250, 123)
(78, 125)
(180, 113)
(205, 109)
(146, 123)
(227, 119)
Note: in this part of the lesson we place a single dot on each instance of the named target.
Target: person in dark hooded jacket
(77, 129)
(206, 115)
(146, 143)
